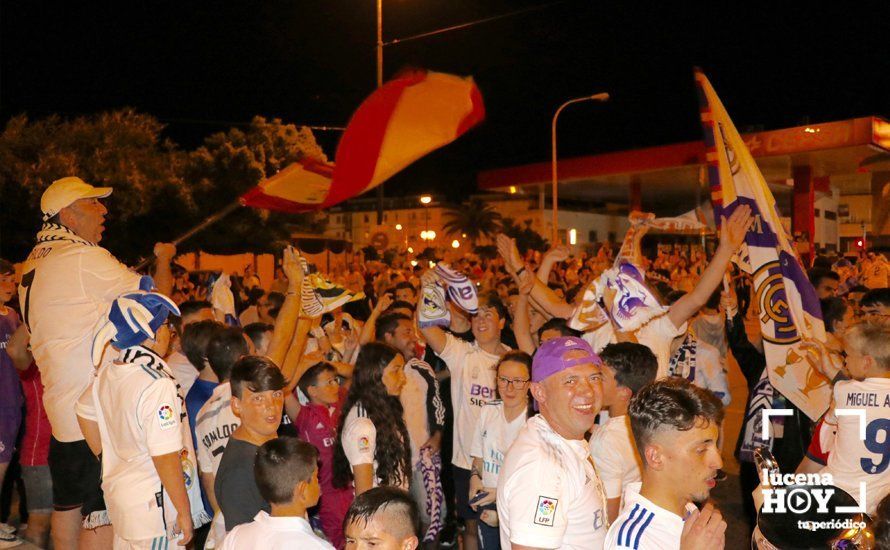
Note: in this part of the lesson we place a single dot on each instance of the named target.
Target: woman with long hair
(372, 445)
(499, 424)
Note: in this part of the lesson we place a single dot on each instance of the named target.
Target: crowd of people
(543, 399)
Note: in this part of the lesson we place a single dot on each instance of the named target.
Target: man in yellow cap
(68, 285)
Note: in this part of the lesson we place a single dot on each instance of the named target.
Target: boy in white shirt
(854, 462)
(134, 416)
(627, 367)
(286, 471)
(675, 425)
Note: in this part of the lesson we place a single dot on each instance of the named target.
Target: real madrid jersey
(140, 413)
(860, 456)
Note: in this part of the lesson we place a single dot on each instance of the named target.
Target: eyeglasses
(335, 381)
(518, 383)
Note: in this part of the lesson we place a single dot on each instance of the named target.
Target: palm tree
(475, 219)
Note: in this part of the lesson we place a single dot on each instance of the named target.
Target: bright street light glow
(410, 250)
(413, 263)
(455, 243)
(512, 189)
(573, 236)
(398, 227)
(426, 199)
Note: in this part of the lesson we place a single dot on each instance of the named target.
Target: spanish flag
(405, 119)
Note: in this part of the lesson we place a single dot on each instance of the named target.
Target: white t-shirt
(183, 370)
(658, 335)
(642, 525)
(280, 533)
(67, 288)
(549, 495)
(359, 440)
(140, 414)
(492, 437)
(214, 425)
(615, 455)
(853, 461)
(473, 374)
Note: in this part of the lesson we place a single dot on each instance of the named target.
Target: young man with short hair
(824, 281)
(384, 518)
(676, 425)
(257, 400)
(286, 474)
(549, 494)
(627, 367)
(875, 306)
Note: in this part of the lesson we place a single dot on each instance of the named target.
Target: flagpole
(208, 221)
(379, 84)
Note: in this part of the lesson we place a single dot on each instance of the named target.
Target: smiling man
(549, 495)
(675, 425)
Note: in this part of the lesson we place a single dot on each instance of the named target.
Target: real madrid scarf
(146, 358)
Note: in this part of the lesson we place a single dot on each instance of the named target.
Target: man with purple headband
(549, 495)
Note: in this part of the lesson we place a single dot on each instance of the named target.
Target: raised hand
(290, 264)
(508, 251)
(558, 253)
(733, 230)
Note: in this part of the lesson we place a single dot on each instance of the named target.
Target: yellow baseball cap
(63, 192)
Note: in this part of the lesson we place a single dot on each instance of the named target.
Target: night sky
(202, 67)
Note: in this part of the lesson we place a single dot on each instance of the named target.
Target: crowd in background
(416, 384)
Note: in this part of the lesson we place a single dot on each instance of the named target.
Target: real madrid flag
(786, 301)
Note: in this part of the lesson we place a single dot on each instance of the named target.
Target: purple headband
(550, 357)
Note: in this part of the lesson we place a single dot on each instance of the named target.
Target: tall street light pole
(596, 97)
(379, 84)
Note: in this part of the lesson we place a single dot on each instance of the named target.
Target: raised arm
(731, 237)
(522, 324)
(370, 327)
(286, 322)
(540, 292)
(558, 253)
(163, 277)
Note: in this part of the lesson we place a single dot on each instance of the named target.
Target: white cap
(63, 192)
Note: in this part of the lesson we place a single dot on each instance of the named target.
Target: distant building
(831, 181)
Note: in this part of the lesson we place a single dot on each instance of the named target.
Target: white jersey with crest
(855, 459)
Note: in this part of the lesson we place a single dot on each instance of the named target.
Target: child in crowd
(287, 477)
(857, 465)
(134, 418)
(627, 368)
(499, 424)
(257, 400)
(317, 423)
(382, 517)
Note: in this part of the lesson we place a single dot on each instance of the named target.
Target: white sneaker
(7, 528)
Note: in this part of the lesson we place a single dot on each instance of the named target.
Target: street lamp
(595, 97)
(425, 199)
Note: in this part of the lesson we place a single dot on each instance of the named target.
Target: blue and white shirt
(642, 525)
